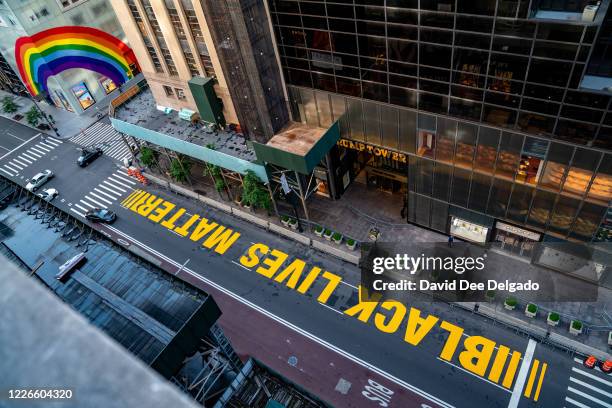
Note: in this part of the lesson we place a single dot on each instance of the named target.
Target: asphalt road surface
(324, 340)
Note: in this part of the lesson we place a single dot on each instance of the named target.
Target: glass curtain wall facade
(483, 100)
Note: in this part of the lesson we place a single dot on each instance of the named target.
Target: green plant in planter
(284, 218)
(531, 308)
(9, 105)
(576, 324)
(33, 116)
(337, 236)
(327, 233)
(318, 229)
(554, 317)
(350, 242)
(490, 295)
(510, 301)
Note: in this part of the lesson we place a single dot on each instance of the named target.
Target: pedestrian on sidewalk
(450, 241)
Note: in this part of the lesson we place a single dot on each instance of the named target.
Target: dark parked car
(88, 155)
(101, 215)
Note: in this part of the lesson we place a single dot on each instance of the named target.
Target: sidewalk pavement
(356, 223)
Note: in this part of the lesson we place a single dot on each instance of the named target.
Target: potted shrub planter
(352, 244)
(327, 234)
(575, 327)
(531, 310)
(337, 238)
(293, 223)
(510, 303)
(318, 231)
(490, 295)
(285, 220)
(553, 319)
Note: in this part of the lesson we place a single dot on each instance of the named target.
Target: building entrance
(514, 240)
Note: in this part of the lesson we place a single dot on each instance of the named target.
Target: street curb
(535, 331)
(287, 233)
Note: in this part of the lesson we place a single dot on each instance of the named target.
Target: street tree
(33, 116)
(254, 194)
(147, 156)
(179, 170)
(9, 105)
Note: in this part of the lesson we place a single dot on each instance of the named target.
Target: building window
(167, 57)
(168, 91)
(180, 94)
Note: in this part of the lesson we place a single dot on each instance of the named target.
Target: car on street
(38, 180)
(48, 194)
(88, 155)
(101, 215)
(590, 362)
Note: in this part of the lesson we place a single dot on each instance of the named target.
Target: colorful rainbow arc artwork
(52, 51)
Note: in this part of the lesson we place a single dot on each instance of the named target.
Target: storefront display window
(488, 141)
(82, 94)
(564, 214)
(587, 221)
(601, 187)
(467, 230)
(580, 173)
(515, 240)
(466, 139)
(509, 155)
(108, 85)
(541, 207)
(498, 201)
(555, 171)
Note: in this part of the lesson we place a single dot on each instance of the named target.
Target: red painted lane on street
(319, 369)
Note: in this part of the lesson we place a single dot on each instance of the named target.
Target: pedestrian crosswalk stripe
(24, 154)
(82, 208)
(50, 146)
(589, 397)
(78, 212)
(100, 198)
(576, 403)
(54, 140)
(51, 142)
(108, 189)
(96, 203)
(12, 163)
(87, 204)
(594, 377)
(20, 162)
(118, 182)
(106, 137)
(8, 166)
(114, 186)
(22, 157)
(38, 151)
(34, 154)
(125, 179)
(10, 174)
(106, 194)
(40, 146)
(592, 387)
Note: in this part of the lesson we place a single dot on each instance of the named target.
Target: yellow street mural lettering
(454, 336)
(476, 354)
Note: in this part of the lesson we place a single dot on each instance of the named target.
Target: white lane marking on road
(95, 202)
(20, 162)
(21, 145)
(123, 178)
(24, 154)
(118, 182)
(22, 157)
(2, 147)
(348, 284)
(78, 212)
(34, 154)
(331, 308)
(576, 403)
(39, 146)
(54, 140)
(41, 151)
(589, 397)
(594, 377)
(50, 146)
(81, 207)
(87, 204)
(10, 174)
(114, 186)
(517, 391)
(592, 387)
(14, 164)
(8, 166)
(101, 198)
(16, 137)
(106, 194)
(240, 265)
(113, 192)
(291, 326)
(475, 375)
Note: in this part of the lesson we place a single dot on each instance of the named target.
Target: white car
(48, 194)
(39, 179)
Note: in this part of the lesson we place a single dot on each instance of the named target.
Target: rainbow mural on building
(52, 51)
